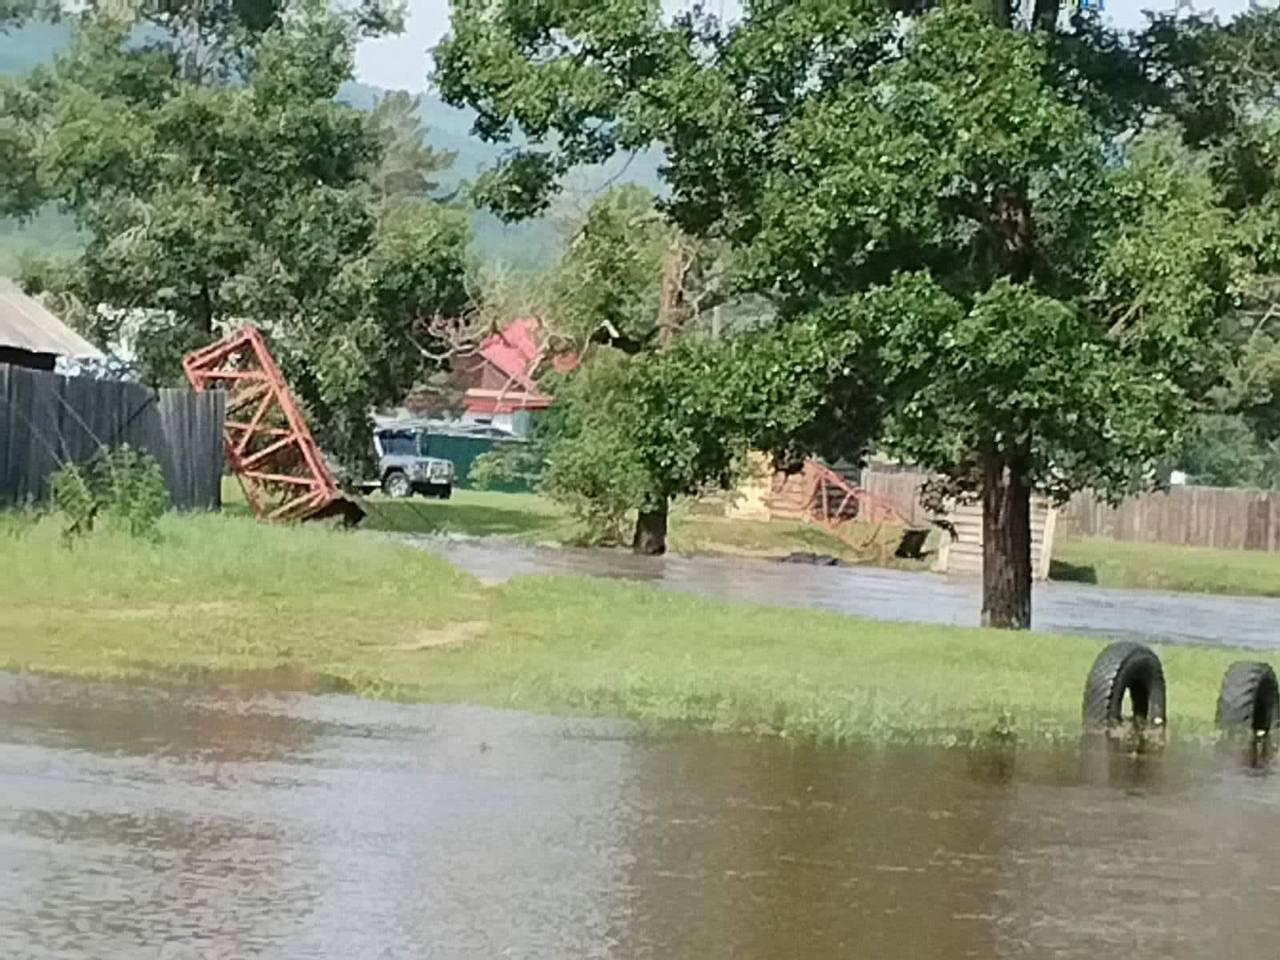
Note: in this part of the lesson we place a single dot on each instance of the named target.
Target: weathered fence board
(900, 489)
(1230, 519)
(47, 420)
(964, 554)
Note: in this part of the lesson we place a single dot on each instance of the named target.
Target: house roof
(505, 401)
(515, 350)
(26, 324)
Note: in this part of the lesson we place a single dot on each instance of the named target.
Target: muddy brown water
(147, 823)
(890, 594)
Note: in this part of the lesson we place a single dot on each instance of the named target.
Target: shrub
(506, 466)
(124, 486)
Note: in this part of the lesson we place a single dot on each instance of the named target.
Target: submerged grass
(221, 595)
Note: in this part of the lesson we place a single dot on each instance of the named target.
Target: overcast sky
(403, 62)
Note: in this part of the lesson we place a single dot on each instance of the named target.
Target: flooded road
(891, 594)
(140, 823)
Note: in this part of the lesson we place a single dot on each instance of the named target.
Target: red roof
(476, 402)
(515, 350)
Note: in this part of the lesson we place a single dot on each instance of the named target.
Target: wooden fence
(900, 489)
(47, 420)
(1231, 519)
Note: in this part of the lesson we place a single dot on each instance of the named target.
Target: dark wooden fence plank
(47, 420)
(1227, 518)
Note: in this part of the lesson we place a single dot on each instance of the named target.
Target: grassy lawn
(1110, 563)
(358, 614)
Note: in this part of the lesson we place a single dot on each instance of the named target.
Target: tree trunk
(1045, 15)
(1006, 546)
(651, 532)
(204, 311)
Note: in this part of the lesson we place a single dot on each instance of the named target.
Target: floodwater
(890, 594)
(144, 823)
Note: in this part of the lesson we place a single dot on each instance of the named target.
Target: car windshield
(399, 445)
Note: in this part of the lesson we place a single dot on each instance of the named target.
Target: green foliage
(124, 486)
(20, 187)
(607, 283)
(17, 522)
(15, 13)
(633, 432)
(512, 465)
(1225, 450)
(206, 203)
(593, 466)
(1000, 266)
(407, 163)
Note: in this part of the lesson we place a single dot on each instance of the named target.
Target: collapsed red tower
(273, 453)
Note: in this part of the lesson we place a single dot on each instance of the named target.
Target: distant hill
(532, 245)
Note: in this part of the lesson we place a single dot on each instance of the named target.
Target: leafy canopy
(633, 431)
(207, 204)
(1018, 244)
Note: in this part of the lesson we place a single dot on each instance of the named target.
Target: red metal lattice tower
(272, 452)
(832, 500)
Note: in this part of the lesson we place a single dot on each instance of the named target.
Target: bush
(124, 486)
(510, 465)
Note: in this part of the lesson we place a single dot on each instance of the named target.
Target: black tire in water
(1124, 668)
(1250, 698)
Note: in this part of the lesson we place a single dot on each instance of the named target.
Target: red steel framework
(832, 500)
(272, 452)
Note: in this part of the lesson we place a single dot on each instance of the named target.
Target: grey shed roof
(26, 324)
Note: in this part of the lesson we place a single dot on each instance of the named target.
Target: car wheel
(396, 484)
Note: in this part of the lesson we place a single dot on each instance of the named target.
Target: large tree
(632, 432)
(629, 286)
(211, 198)
(1012, 229)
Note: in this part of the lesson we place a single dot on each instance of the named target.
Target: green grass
(1155, 566)
(354, 613)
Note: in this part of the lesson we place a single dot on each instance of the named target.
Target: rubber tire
(397, 485)
(1120, 668)
(1250, 698)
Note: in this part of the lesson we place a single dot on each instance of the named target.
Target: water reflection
(145, 823)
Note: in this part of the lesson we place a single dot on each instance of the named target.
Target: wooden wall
(1231, 519)
(1227, 518)
(963, 554)
(47, 421)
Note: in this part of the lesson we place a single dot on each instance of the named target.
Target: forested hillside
(531, 245)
